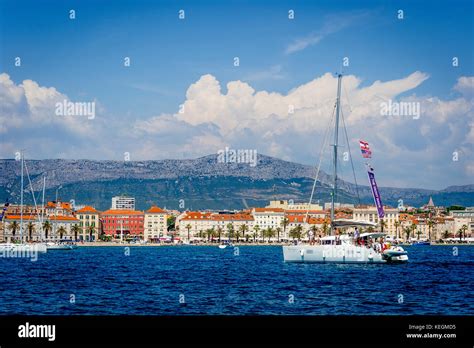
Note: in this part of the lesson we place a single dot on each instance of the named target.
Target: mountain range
(202, 183)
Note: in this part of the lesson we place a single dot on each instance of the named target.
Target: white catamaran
(344, 248)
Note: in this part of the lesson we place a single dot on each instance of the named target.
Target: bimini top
(373, 235)
(352, 223)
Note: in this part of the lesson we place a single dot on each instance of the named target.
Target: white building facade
(122, 202)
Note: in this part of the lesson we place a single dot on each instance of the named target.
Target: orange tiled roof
(155, 210)
(87, 209)
(295, 218)
(18, 217)
(270, 210)
(122, 212)
(196, 215)
(62, 218)
(231, 217)
(64, 205)
(310, 220)
(303, 211)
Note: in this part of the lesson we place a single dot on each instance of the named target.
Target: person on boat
(356, 236)
(336, 238)
(311, 237)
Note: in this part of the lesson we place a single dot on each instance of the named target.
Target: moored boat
(339, 247)
(61, 246)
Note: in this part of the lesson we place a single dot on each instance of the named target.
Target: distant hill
(202, 183)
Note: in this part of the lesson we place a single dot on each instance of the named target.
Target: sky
(183, 95)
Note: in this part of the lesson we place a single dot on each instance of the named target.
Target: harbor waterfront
(248, 280)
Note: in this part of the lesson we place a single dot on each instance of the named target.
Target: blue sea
(190, 280)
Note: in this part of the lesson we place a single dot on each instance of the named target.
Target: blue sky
(83, 60)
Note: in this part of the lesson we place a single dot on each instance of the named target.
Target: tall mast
(42, 208)
(21, 199)
(336, 137)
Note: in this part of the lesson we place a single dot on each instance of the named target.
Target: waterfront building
(15, 209)
(327, 206)
(155, 226)
(320, 214)
(89, 221)
(290, 205)
(11, 228)
(123, 203)
(463, 217)
(197, 224)
(194, 222)
(268, 217)
(444, 225)
(369, 214)
(117, 222)
(60, 228)
(234, 222)
(58, 209)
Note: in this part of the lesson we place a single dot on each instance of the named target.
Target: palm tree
(237, 234)
(61, 231)
(209, 233)
(314, 229)
(219, 232)
(90, 230)
(418, 232)
(430, 224)
(13, 227)
(256, 229)
(278, 231)
(243, 228)
(284, 222)
(76, 229)
(201, 234)
(383, 224)
(464, 229)
(407, 231)
(46, 227)
(31, 228)
(325, 227)
(397, 225)
(296, 232)
(413, 229)
(445, 234)
(460, 234)
(270, 233)
(188, 227)
(230, 230)
(263, 233)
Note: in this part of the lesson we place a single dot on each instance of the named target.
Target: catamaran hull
(336, 254)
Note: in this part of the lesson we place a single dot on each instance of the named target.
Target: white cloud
(275, 72)
(332, 24)
(31, 106)
(465, 85)
(239, 116)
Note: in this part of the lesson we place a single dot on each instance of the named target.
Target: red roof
(62, 218)
(196, 215)
(18, 217)
(122, 212)
(231, 217)
(270, 210)
(155, 210)
(88, 209)
(303, 211)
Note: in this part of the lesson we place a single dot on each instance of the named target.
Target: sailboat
(344, 248)
(22, 248)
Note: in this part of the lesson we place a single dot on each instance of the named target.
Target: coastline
(108, 244)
